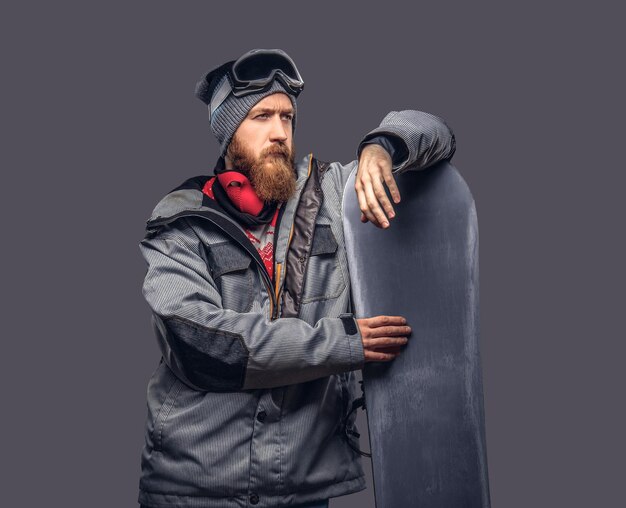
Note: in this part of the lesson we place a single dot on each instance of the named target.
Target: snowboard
(425, 408)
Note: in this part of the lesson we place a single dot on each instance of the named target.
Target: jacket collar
(188, 197)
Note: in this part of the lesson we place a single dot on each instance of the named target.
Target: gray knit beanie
(231, 112)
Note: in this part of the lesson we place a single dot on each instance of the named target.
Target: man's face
(269, 122)
(262, 148)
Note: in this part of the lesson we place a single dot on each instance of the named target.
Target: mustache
(276, 150)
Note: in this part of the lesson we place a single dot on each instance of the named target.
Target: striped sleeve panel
(427, 137)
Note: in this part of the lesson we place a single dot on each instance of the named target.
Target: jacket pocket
(230, 267)
(324, 277)
(163, 390)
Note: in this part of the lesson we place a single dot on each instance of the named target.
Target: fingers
(391, 185)
(384, 342)
(371, 195)
(381, 354)
(381, 195)
(389, 331)
(374, 170)
(372, 200)
(376, 321)
(363, 205)
(376, 356)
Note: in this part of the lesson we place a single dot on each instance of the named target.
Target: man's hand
(374, 169)
(383, 337)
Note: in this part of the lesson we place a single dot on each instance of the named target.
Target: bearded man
(248, 283)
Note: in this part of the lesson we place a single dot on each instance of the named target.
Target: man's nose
(278, 131)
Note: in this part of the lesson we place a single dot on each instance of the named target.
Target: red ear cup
(241, 192)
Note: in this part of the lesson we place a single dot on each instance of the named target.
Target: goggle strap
(259, 84)
(219, 96)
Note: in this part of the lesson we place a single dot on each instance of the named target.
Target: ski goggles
(255, 72)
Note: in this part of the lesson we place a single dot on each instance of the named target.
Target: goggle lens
(261, 66)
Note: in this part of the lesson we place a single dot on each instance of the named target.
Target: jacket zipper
(280, 284)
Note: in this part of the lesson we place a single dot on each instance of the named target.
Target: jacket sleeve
(421, 138)
(216, 349)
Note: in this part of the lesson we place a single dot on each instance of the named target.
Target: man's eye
(262, 115)
(288, 117)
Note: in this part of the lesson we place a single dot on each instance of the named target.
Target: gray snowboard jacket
(249, 402)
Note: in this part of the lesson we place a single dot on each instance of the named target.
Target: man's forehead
(275, 102)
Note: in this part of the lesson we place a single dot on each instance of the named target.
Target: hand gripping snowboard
(425, 408)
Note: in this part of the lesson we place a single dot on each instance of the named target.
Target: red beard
(272, 174)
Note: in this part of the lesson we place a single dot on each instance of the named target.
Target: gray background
(99, 121)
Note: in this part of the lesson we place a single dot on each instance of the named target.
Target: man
(248, 282)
